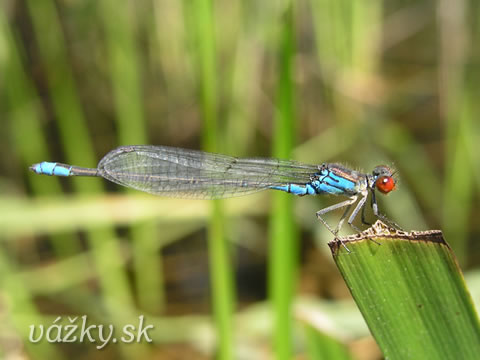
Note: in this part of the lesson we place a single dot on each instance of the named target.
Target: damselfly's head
(383, 179)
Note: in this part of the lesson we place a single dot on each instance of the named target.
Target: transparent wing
(182, 173)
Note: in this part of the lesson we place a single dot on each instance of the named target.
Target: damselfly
(182, 173)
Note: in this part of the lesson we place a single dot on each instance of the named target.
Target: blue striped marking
(324, 188)
(331, 183)
(327, 182)
(51, 168)
(306, 189)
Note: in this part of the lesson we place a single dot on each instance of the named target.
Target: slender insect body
(176, 172)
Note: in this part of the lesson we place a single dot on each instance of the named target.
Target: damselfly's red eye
(385, 184)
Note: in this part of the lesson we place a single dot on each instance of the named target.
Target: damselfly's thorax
(337, 179)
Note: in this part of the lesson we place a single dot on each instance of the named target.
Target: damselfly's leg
(364, 221)
(381, 216)
(340, 205)
(355, 211)
(360, 205)
(347, 203)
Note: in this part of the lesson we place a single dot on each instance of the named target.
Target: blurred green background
(359, 82)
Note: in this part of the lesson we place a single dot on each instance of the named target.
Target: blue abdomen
(296, 189)
(51, 168)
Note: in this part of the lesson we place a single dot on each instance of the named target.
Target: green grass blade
(70, 213)
(120, 31)
(456, 104)
(125, 75)
(221, 276)
(411, 293)
(283, 242)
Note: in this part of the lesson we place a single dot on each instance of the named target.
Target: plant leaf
(411, 293)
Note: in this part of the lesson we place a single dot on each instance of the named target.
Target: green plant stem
(283, 240)
(221, 276)
(411, 293)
